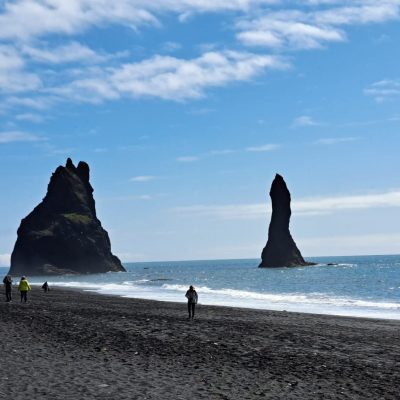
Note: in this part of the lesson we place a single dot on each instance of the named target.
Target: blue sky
(186, 109)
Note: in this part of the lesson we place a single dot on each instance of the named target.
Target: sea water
(364, 286)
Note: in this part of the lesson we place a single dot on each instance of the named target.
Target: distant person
(24, 288)
(192, 297)
(45, 287)
(8, 285)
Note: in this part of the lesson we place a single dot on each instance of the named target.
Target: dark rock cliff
(62, 234)
(281, 250)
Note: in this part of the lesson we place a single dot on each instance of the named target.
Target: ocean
(361, 286)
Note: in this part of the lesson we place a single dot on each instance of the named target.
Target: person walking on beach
(45, 287)
(24, 288)
(8, 285)
(192, 297)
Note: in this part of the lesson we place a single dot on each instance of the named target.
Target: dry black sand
(74, 345)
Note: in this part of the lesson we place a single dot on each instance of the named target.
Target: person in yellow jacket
(24, 288)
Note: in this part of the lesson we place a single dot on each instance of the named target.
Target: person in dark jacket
(192, 297)
(8, 285)
(45, 287)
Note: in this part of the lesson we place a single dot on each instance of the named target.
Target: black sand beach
(74, 345)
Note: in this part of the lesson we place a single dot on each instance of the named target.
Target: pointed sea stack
(62, 235)
(280, 250)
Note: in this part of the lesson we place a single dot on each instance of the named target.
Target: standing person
(45, 287)
(24, 288)
(8, 285)
(192, 297)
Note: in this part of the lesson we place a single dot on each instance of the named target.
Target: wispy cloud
(13, 75)
(170, 47)
(143, 178)
(383, 90)
(187, 159)
(27, 26)
(301, 29)
(301, 207)
(27, 19)
(263, 148)
(331, 141)
(287, 30)
(145, 197)
(34, 102)
(67, 53)
(201, 111)
(168, 77)
(35, 118)
(225, 152)
(100, 150)
(221, 152)
(382, 243)
(18, 136)
(304, 120)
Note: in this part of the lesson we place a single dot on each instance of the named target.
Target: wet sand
(74, 345)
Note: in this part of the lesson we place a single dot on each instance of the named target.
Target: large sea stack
(280, 250)
(62, 235)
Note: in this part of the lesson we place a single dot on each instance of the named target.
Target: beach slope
(73, 345)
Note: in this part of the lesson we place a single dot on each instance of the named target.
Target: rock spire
(280, 250)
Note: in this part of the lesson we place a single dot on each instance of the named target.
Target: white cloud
(302, 207)
(304, 120)
(358, 202)
(221, 152)
(179, 79)
(265, 147)
(35, 118)
(5, 260)
(187, 159)
(224, 152)
(17, 136)
(71, 52)
(141, 197)
(362, 12)
(26, 19)
(331, 141)
(201, 111)
(308, 29)
(143, 178)
(229, 211)
(35, 102)
(28, 25)
(170, 47)
(346, 245)
(13, 76)
(386, 89)
(168, 77)
(278, 30)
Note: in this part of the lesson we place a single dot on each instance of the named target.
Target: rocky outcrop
(62, 235)
(281, 250)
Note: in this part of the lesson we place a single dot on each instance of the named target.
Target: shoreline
(75, 344)
(95, 292)
(333, 314)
